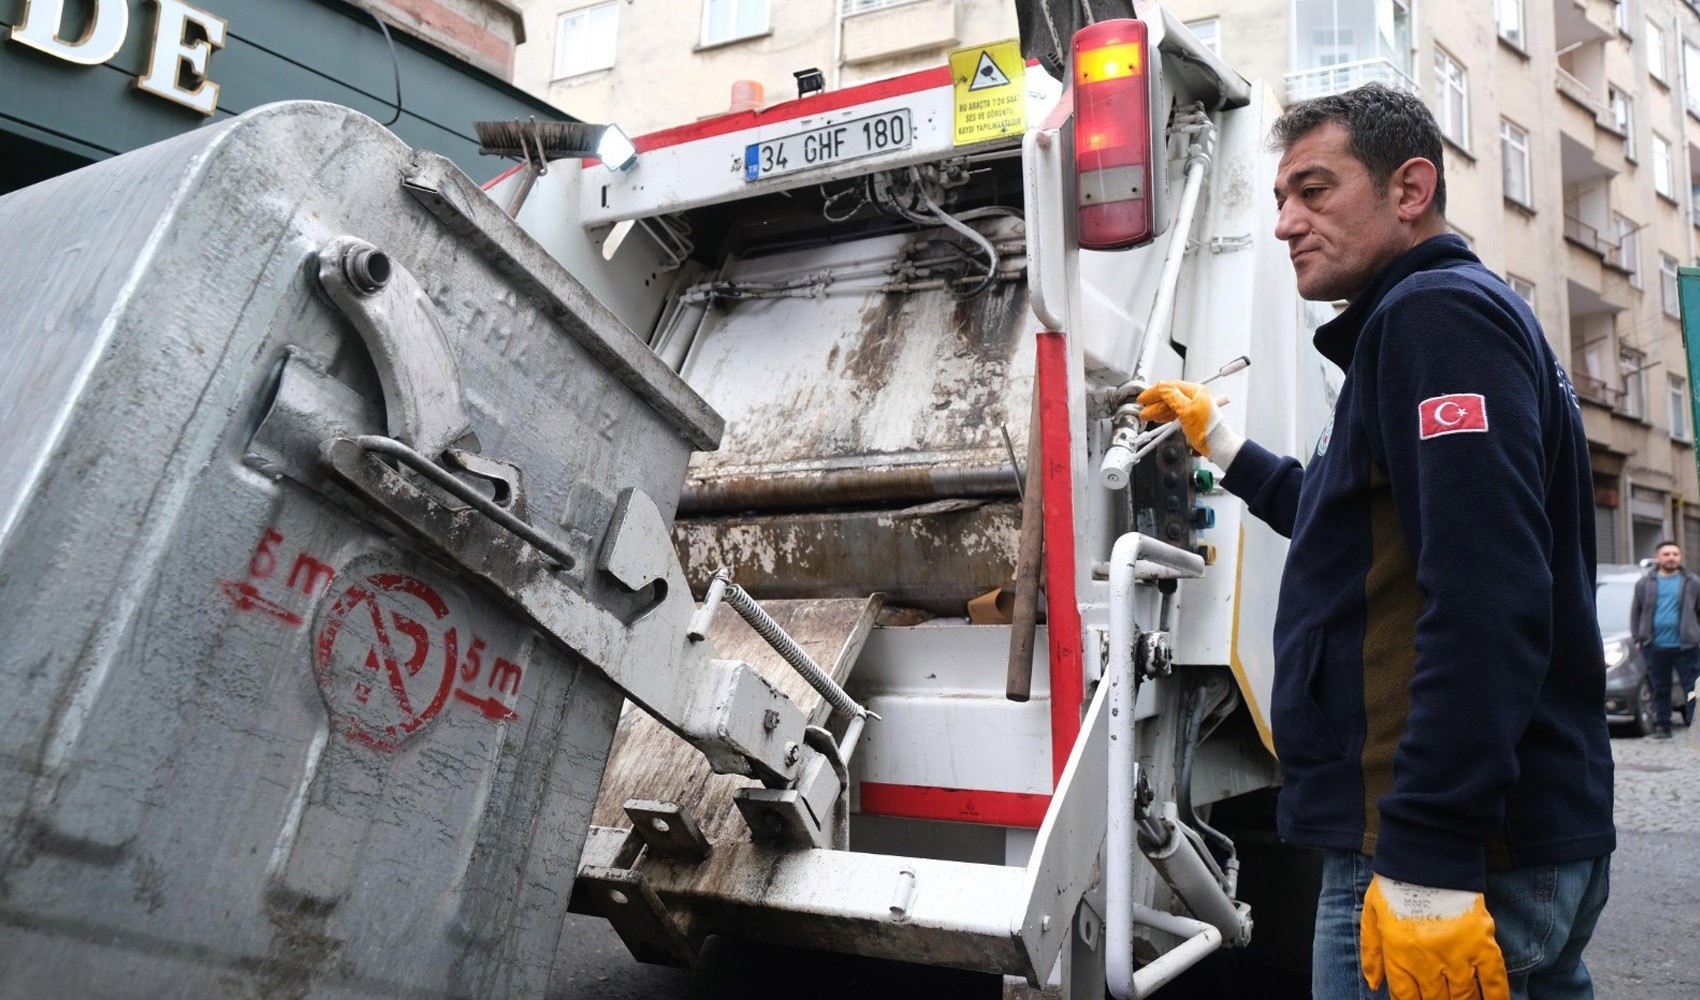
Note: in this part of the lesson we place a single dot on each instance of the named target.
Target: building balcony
(1584, 96)
(1596, 391)
(1586, 164)
(1589, 238)
(1305, 84)
(1574, 23)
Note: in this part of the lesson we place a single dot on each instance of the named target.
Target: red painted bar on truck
(814, 104)
(504, 175)
(959, 805)
(1068, 685)
(802, 107)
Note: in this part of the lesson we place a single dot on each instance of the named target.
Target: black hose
(395, 63)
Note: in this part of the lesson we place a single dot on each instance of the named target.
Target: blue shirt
(1666, 628)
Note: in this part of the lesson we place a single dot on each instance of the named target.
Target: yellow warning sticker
(991, 92)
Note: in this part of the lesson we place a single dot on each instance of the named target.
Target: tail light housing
(1113, 135)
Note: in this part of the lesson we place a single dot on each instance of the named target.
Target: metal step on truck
(343, 505)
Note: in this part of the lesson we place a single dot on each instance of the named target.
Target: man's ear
(1412, 187)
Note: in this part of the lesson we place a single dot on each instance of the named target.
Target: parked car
(1629, 694)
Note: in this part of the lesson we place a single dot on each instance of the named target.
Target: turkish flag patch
(1455, 414)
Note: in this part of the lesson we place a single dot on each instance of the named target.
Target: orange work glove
(1430, 943)
(1201, 420)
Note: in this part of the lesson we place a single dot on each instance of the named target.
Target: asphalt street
(1647, 946)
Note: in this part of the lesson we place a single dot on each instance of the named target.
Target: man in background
(1665, 617)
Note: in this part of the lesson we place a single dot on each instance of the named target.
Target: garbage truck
(754, 538)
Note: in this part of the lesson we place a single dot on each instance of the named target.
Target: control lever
(1128, 446)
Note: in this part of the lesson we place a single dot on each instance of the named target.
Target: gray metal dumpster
(254, 741)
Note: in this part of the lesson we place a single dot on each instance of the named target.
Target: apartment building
(649, 64)
(1572, 141)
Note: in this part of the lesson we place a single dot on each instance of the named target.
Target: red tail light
(1112, 134)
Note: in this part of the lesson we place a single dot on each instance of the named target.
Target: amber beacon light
(1112, 134)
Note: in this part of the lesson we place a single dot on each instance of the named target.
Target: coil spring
(769, 630)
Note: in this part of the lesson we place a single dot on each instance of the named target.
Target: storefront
(81, 80)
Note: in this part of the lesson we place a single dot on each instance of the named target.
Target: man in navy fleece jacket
(1439, 679)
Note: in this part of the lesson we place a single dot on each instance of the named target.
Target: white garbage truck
(343, 505)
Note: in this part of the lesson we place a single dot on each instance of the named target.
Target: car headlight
(1616, 652)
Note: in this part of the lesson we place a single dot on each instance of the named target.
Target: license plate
(818, 147)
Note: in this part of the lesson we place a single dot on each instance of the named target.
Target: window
(1620, 16)
(1209, 32)
(1607, 520)
(1679, 407)
(1509, 14)
(1662, 182)
(1589, 369)
(584, 40)
(1656, 51)
(1452, 103)
(1691, 76)
(1633, 365)
(1668, 287)
(1524, 288)
(1627, 236)
(1649, 520)
(1514, 152)
(729, 20)
(1623, 118)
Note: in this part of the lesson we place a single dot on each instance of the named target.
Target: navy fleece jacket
(1439, 683)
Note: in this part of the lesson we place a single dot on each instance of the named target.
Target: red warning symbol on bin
(386, 658)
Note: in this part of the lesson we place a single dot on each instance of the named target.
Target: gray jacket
(1688, 609)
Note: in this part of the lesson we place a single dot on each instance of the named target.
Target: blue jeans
(1543, 917)
(1661, 660)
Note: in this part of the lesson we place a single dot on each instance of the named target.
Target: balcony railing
(1579, 92)
(1595, 390)
(1324, 80)
(1589, 238)
(1614, 259)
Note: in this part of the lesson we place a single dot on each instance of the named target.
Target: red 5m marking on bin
(386, 658)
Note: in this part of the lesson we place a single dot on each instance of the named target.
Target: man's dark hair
(1384, 128)
(1674, 545)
